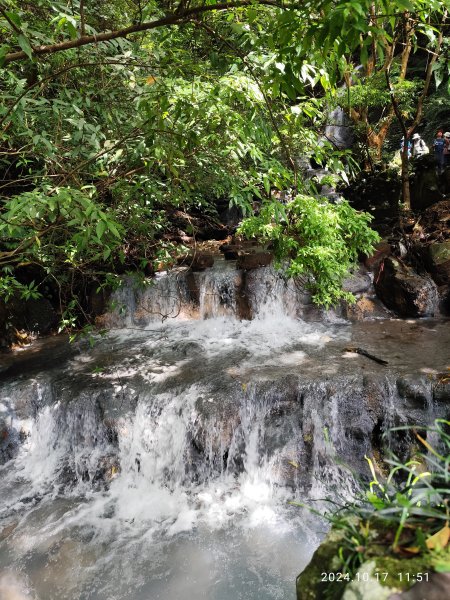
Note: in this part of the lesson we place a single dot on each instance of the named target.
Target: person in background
(446, 149)
(438, 146)
(402, 143)
(419, 148)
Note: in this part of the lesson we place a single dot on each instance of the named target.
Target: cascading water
(161, 464)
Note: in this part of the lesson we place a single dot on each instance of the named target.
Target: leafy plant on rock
(315, 239)
(403, 515)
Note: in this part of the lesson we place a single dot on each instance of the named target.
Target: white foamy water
(161, 464)
(161, 526)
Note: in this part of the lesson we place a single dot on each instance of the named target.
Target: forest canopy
(115, 116)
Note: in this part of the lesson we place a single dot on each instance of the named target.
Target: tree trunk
(406, 196)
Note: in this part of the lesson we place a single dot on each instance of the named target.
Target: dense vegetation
(115, 116)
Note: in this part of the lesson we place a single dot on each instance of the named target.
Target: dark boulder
(382, 250)
(200, 261)
(424, 186)
(405, 291)
(236, 247)
(439, 262)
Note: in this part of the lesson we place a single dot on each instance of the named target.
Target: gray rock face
(405, 291)
(439, 261)
(357, 282)
(254, 260)
(339, 129)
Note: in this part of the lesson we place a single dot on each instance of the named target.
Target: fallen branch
(363, 352)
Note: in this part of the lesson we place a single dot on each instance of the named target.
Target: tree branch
(13, 25)
(172, 19)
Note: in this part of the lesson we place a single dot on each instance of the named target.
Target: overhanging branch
(172, 19)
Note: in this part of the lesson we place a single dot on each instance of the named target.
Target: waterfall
(164, 461)
(339, 130)
(220, 292)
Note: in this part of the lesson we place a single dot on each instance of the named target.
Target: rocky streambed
(174, 449)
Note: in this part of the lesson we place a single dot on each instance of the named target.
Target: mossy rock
(399, 571)
(309, 583)
(379, 577)
(368, 584)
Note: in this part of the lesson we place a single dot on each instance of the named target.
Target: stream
(162, 463)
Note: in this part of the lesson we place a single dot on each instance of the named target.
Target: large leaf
(25, 45)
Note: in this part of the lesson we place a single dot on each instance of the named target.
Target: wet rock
(8, 442)
(357, 282)
(439, 262)
(200, 261)
(441, 388)
(200, 226)
(436, 588)
(97, 300)
(382, 250)
(405, 291)
(230, 251)
(366, 307)
(339, 129)
(243, 304)
(248, 261)
(415, 393)
(236, 247)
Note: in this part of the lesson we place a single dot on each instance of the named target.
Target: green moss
(400, 572)
(309, 583)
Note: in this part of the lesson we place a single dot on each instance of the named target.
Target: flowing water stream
(162, 463)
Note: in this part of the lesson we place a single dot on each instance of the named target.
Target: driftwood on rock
(363, 352)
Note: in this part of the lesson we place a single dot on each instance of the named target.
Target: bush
(316, 239)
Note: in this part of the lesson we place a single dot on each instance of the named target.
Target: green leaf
(100, 229)
(25, 45)
(15, 18)
(3, 52)
(113, 229)
(406, 5)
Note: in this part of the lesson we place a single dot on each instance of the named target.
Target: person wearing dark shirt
(402, 143)
(438, 145)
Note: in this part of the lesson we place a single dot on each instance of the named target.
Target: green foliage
(371, 92)
(58, 234)
(405, 513)
(66, 225)
(100, 145)
(316, 239)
